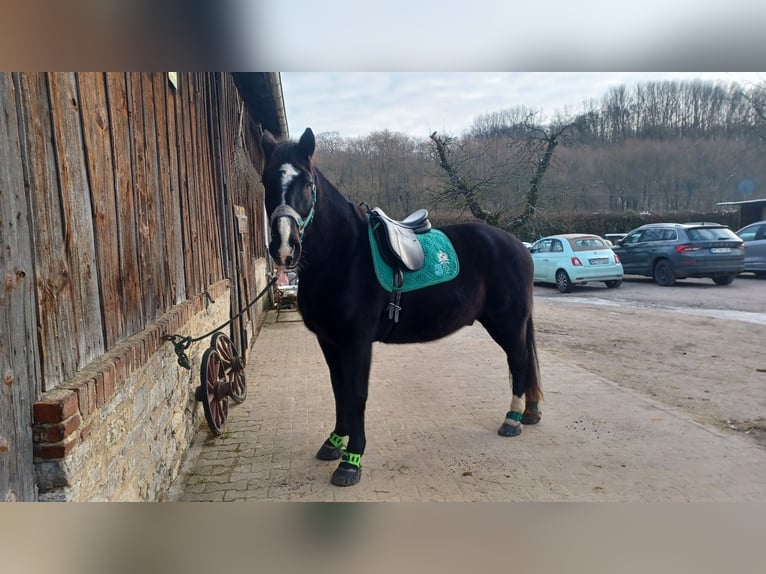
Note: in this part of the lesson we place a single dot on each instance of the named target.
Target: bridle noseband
(284, 210)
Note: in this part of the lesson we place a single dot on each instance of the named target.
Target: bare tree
(756, 98)
(462, 189)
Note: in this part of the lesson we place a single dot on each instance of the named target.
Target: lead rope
(180, 344)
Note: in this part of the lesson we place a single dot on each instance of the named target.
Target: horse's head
(288, 178)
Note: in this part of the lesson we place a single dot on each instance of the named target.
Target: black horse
(316, 230)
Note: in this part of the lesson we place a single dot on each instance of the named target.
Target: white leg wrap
(517, 404)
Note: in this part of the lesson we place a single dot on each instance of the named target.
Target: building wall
(130, 208)
(118, 433)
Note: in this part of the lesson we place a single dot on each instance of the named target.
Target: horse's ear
(268, 143)
(307, 143)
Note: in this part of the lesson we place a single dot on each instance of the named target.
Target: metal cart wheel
(213, 391)
(233, 366)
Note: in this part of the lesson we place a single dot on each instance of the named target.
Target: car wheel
(614, 283)
(663, 273)
(723, 279)
(563, 284)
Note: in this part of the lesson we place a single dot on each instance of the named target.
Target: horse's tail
(534, 391)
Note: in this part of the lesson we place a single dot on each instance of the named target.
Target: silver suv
(754, 236)
(670, 251)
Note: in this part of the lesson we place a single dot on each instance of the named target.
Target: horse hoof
(329, 452)
(508, 429)
(346, 476)
(530, 417)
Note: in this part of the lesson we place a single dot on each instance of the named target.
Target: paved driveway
(432, 417)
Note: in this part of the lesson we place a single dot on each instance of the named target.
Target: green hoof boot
(332, 448)
(508, 429)
(511, 425)
(329, 452)
(346, 475)
(349, 470)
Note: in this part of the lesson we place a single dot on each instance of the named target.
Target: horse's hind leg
(512, 334)
(533, 392)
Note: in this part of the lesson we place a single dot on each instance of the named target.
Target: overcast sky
(356, 44)
(482, 35)
(418, 103)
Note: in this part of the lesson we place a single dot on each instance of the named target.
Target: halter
(285, 210)
(302, 225)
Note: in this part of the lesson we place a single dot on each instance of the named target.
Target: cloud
(347, 35)
(357, 44)
(417, 103)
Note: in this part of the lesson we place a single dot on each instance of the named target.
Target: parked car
(670, 251)
(613, 238)
(754, 236)
(575, 259)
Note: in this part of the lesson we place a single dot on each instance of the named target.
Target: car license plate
(599, 261)
(720, 250)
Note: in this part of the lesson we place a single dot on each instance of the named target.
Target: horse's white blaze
(289, 173)
(283, 227)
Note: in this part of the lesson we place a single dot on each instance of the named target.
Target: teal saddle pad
(441, 263)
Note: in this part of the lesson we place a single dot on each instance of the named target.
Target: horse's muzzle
(285, 245)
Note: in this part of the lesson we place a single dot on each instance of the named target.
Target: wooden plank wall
(130, 208)
(115, 205)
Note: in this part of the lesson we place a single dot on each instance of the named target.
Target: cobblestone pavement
(432, 417)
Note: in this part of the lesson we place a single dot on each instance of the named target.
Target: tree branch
(460, 188)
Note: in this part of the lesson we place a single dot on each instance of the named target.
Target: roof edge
(262, 93)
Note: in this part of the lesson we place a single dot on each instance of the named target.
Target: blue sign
(746, 186)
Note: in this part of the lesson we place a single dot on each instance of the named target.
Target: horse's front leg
(349, 366)
(351, 398)
(333, 446)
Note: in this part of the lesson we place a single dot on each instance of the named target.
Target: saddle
(399, 247)
(397, 240)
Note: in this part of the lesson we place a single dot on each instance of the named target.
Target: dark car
(670, 251)
(754, 236)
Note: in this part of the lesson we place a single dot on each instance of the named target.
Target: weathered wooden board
(193, 253)
(170, 201)
(101, 173)
(207, 198)
(177, 154)
(77, 217)
(144, 197)
(19, 360)
(127, 247)
(58, 347)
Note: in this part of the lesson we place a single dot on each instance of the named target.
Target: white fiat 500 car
(575, 259)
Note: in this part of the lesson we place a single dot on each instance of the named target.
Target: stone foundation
(119, 430)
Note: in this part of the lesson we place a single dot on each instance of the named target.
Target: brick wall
(119, 430)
